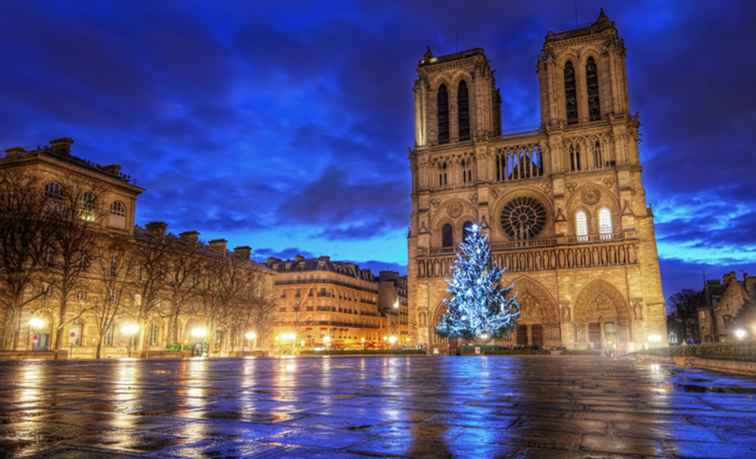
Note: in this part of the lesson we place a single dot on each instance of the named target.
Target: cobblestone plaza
(334, 407)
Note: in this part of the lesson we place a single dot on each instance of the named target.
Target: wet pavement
(338, 407)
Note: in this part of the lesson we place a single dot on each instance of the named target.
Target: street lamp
(251, 336)
(199, 332)
(392, 339)
(36, 323)
(130, 329)
(740, 334)
(327, 341)
(396, 303)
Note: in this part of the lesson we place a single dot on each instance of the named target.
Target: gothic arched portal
(602, 317)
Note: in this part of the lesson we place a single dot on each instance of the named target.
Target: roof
(301, 264)
(429, 59)
(601, 23)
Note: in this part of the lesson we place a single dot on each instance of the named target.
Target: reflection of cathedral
(564, 206)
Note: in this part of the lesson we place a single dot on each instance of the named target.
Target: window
(442, 101)
(598, 160)
(447, 236)
(574, 158)
(88, 201)
(591, 79)
(467, 171)
(523, 218)
(118, 208)
(463, 111)
(605, 223)
(443, 176)
(466, 228)
(581, 226)
(570, 93)
(154, 334)
(54, 190)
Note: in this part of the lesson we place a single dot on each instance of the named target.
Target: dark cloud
(334, 202)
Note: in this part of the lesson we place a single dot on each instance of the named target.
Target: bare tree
(257, 306)
(220, 297)
(75, 212)
(152, 253)
(26, 236)
(183, 279)
(684, 317)
(116, 267)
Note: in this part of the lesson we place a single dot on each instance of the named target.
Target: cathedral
(563, 206)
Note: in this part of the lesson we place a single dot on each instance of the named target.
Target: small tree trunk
(99, 347)
(62, 310)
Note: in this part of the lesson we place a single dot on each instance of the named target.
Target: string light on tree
(478, 306)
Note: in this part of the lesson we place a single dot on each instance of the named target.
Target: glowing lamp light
(362, 339)
(198, 332)
(484, 337)
(740, 333)
(130, 328)
(327, 340)
(287, 337)
(36, 323)
(250, 336)
(396, 304)
(392, 339)
(654, 339)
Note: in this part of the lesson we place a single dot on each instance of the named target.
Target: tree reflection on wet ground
(333, 407)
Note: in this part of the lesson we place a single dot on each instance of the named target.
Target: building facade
(324, 304)
(564, 206)
(729, 309)
(183, 303)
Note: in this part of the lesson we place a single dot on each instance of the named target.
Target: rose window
(523, 218)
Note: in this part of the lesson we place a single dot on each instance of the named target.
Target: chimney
(190, 236)
(218, 244)
(113, 169)
(243, 251)
(14, 152)
(157, 228)
(62, 145)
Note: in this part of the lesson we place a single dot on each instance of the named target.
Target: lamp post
(199, 333)
(129, 330)
(327, 341)
(740, 334)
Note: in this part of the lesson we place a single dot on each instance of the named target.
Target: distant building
(730, 305)
(323, 304)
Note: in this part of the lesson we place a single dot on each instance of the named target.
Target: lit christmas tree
(479, 307)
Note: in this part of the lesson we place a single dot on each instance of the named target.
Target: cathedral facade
(564, 206)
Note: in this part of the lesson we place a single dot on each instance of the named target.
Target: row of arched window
(571, 93)
(463, 112)
(605, 226)
(54, 190)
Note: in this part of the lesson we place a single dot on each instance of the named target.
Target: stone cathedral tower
(564, 206)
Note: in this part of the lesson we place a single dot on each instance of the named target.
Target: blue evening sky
(286, 125)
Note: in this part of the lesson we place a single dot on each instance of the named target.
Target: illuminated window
(88, 201)
(581, 226)
(447, 236)
(442, 101)
(591, 79)
(570, 93)
(463, 111)
(605, 223)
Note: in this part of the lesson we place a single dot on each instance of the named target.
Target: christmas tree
(478, 307)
